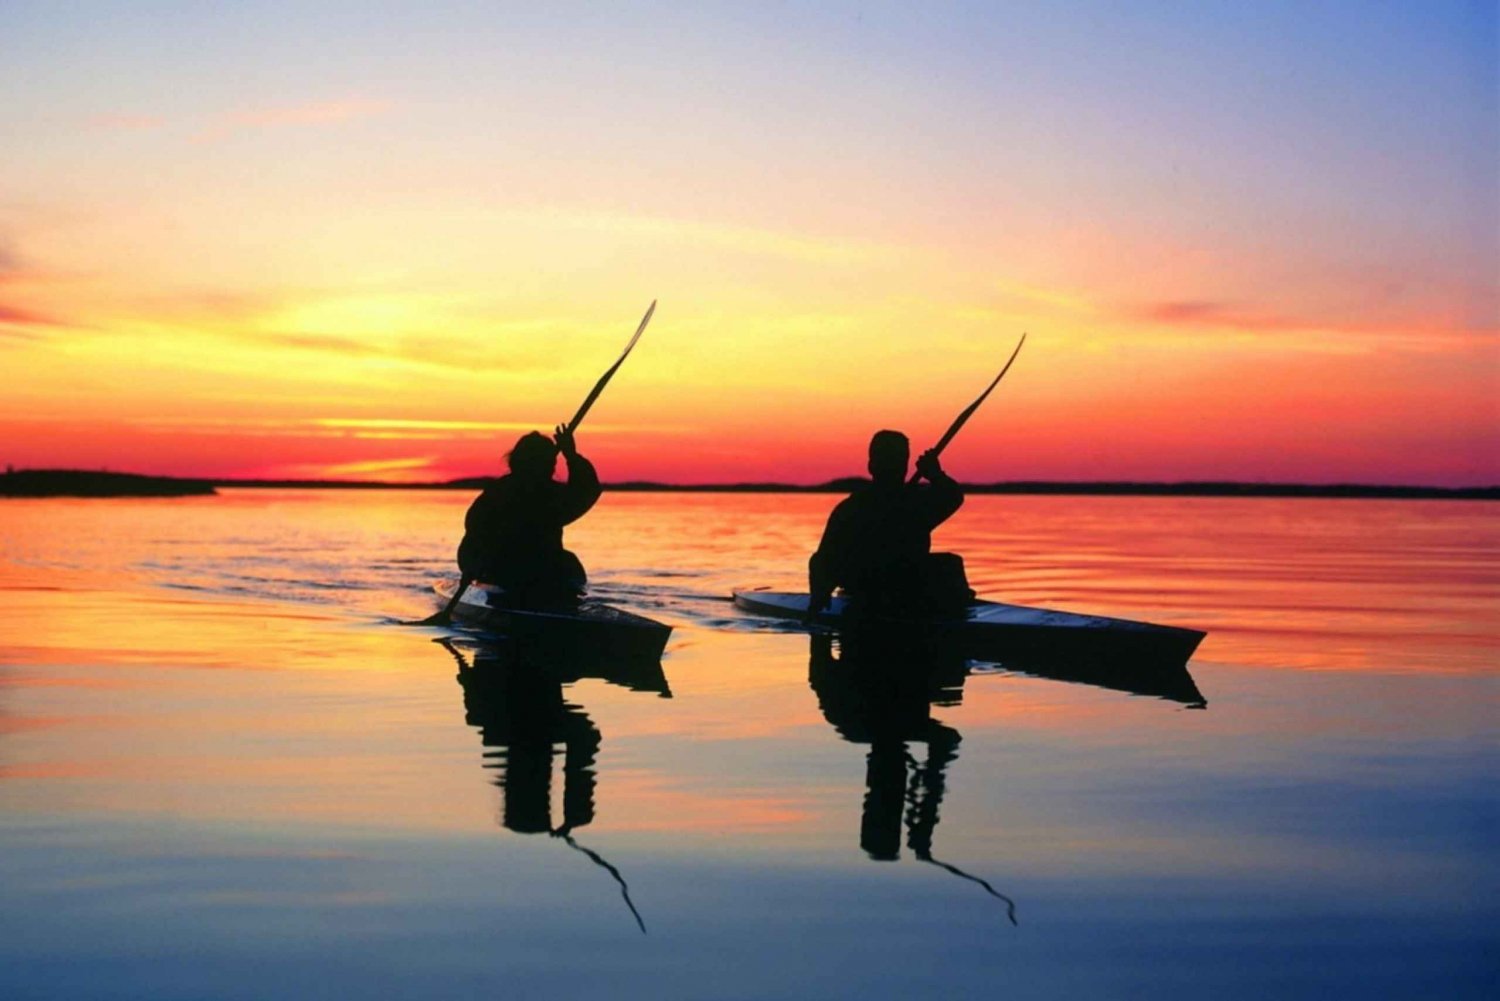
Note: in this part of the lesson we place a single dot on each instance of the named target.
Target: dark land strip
(92, 483)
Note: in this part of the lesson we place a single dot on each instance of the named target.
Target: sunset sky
(1252, 241)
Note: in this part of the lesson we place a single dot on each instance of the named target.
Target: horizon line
(1242, 488)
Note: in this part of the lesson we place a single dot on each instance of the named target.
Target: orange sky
(256, 256)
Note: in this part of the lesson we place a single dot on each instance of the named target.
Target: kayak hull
(1122, 654)
(590, 628)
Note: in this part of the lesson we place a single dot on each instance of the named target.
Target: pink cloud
(14, 316)
(127, 122)
(297, 115)
(1209, 313)
(317, 113)
(1219, 315)
(18, 324)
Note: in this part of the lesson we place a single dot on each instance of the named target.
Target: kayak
(589, 628)
(1139, 657)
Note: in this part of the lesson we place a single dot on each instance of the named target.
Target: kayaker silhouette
(528, 510)
(513, 532)
(878, 540)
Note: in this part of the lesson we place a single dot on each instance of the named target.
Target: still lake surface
(225, 772)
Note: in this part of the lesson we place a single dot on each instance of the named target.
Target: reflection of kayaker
(523, 715)
(884, 700)
(878, 541)
(513, 533)
(882, 696)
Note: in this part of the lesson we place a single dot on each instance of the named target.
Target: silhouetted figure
(878, 541)
(513, 533)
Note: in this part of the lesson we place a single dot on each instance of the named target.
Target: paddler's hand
(928, 466)
(565, 443)
(815, 604)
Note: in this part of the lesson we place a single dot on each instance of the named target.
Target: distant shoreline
(86, 483)
(98, 483)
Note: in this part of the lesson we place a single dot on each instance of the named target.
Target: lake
(227, 771)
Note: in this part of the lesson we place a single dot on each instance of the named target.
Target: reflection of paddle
(1010, 905)
(599, 860)
(442, 618)
(923, 848)
(963, 418)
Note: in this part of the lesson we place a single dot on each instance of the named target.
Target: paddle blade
(445, 617)
(963, 418)
(604, 379)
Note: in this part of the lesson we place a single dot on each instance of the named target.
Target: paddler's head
(533, 458)
(889, 454)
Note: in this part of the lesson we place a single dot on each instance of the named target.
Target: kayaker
(878, 541)
(513, 533)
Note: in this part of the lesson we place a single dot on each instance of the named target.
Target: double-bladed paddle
(441, 618)
(968, 412)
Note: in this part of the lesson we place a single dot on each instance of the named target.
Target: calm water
(225, 773)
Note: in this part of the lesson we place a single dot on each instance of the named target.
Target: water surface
(225, 772)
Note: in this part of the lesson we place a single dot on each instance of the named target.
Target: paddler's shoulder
(495, 489)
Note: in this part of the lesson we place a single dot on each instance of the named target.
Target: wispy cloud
(743, 239)
(324, 342)
(313, 113)
(414, 468)
(1072, 302)
(370, 427)
(16, 316)
(20, 324)
(1219, 315)
(1212, 313)
(127, 122)
(217, 126)
(512, 348)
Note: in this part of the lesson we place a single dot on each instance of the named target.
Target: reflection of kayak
(1013, 632)
(482, 656)
(589, 627)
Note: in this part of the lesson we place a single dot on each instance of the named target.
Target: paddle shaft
(968, 412)
(588, 401)
(572, 425)
(447, 612)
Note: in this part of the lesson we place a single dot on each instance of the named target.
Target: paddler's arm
(480, 511)
(820, 584)
(823, 566)
(478, 527)
(583, 489)
(943, 495)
